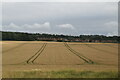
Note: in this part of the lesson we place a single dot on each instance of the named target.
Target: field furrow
(35, 56)
(57, 54)
(99, 57)
(11, 47)
(79, 54)
(103, 48)
(112, 45)
(43, 55)
(20, 54)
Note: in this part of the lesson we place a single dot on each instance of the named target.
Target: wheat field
(58, 56)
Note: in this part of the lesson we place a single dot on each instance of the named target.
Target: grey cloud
(26, 27)
(84, 18)
(47, 11)
(66, 26)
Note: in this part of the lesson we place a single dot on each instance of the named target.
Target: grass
(61, 74)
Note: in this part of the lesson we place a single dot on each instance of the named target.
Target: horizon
(62, 34)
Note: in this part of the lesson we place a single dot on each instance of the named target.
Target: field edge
(61, 74)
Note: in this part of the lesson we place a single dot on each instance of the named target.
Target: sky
(60, 0)
(75, 18)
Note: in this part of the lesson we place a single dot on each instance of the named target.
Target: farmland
(43, 56)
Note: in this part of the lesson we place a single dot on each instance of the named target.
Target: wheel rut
(87, 60)
(36, 55)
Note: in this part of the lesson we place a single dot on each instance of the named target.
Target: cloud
(112, 34)
(45, 25)
(0, 27)
(111, 24)
(66, 26)
(13, 12)
(32, 17)
(27, 27)
(11, 26)
(111, 28)
(60, 0)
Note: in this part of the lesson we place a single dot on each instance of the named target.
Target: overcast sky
(61, 18)
(60, 0)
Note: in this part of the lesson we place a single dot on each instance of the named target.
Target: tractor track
(14, 48)
(78, 54)
(110, 46)
(99, 49)
(36, 55)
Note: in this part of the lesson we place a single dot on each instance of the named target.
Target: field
(59, 59)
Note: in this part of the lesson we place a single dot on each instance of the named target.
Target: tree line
(22, 36)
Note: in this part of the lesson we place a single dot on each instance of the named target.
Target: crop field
(47, 59)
